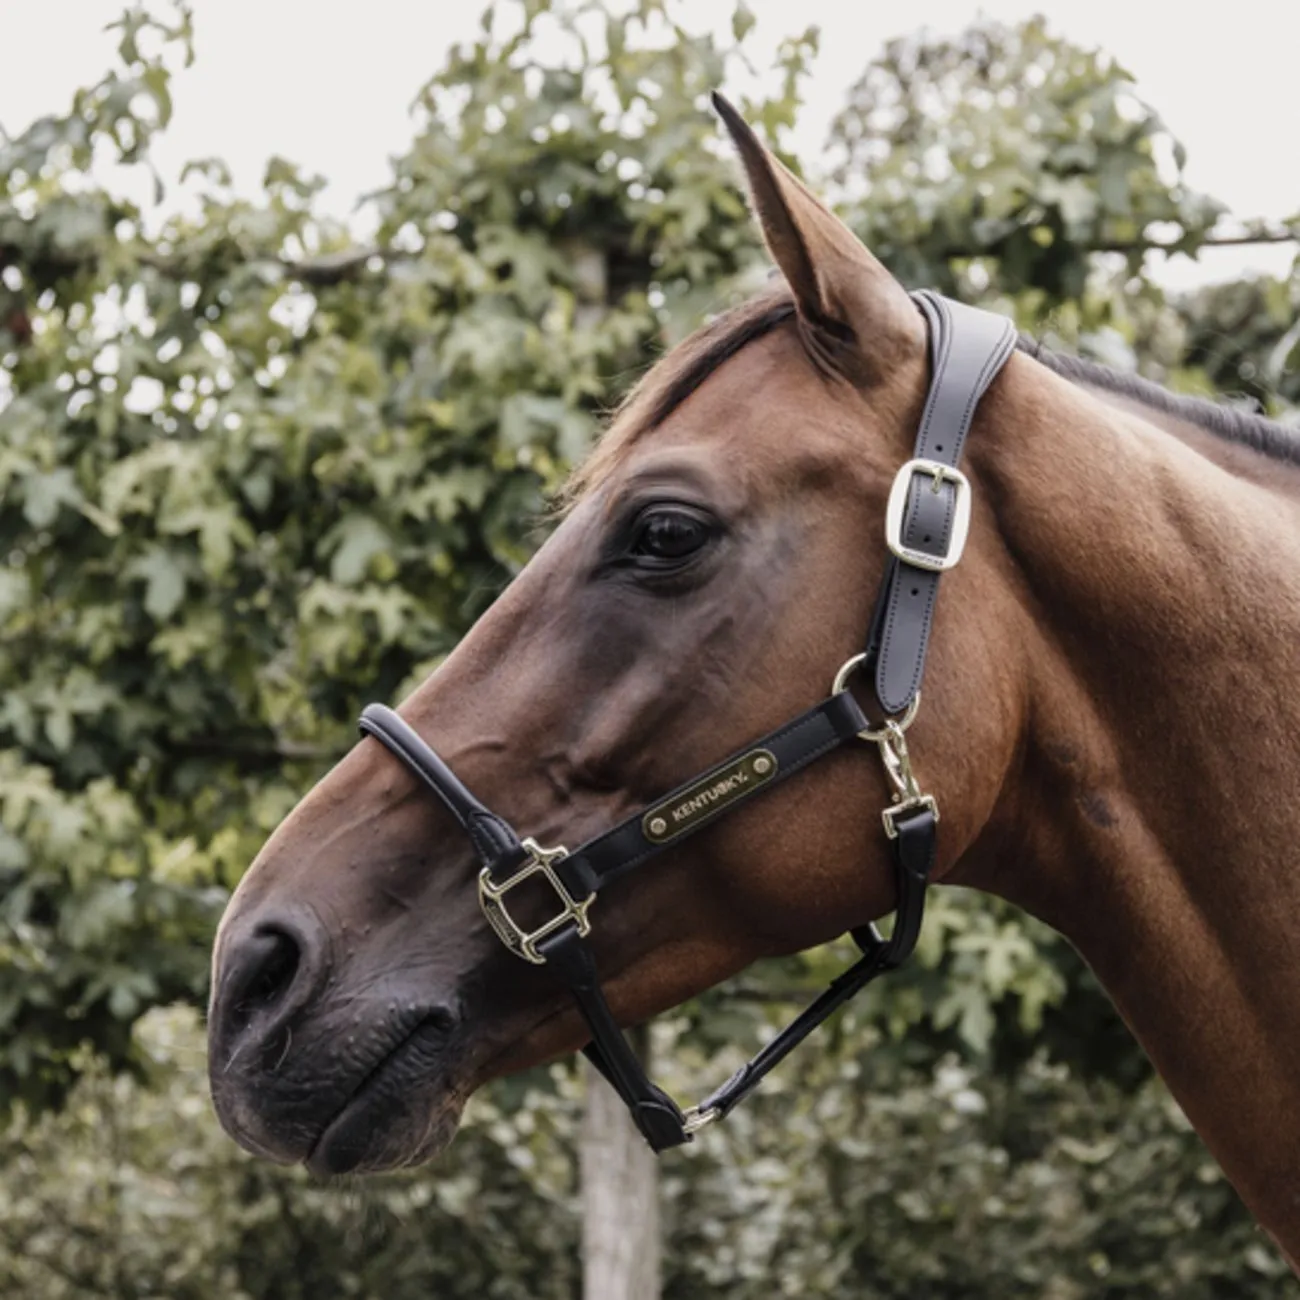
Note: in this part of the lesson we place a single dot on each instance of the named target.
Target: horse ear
(854, 314)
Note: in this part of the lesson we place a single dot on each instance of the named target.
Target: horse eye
(669, 536)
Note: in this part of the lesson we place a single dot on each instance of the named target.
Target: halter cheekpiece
(926, 522)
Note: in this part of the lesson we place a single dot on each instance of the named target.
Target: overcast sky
(329, 84)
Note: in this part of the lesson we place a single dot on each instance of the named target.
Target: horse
(1105, 725)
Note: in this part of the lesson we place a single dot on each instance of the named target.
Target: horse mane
(676, 376)
(1230, 423)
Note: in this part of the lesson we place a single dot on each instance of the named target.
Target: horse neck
(1152, 816)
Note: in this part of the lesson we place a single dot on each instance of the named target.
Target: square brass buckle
(491, 896)
(939, 475)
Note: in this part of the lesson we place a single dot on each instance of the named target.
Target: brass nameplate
(689, 807)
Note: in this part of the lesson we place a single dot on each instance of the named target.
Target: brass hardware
(876, 734)
(491, 897)
(892, 743)
(888, 815)
(898, 767)
(939, 475)
(694, 1119)
(898, 762)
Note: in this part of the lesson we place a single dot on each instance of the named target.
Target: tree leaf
(164, 582)
(45, 494)
(355, 541)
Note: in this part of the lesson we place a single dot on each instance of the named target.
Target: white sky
(329, 84)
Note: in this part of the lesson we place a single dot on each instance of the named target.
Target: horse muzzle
(343, 1075)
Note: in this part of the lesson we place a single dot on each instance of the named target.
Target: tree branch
(350, 264)
(328, 269)
(1259, 237)
(758, 994)
(252, 750)
(1244, 239)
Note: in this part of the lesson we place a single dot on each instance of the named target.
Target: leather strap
(913, 861)
(493, 838)
(791, 748)
(968, 348)
(656, 1115)
(606, 857)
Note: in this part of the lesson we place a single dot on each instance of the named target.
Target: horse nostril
(264, 968)
(279, 966)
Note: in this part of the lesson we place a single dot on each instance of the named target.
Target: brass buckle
(939, 474)
(491, 896)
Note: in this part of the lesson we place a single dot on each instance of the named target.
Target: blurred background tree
(252, 475)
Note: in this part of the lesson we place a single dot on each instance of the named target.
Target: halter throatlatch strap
(925, 529)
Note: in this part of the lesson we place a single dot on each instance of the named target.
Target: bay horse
(1107, 726)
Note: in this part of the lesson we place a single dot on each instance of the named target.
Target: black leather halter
(925, 528)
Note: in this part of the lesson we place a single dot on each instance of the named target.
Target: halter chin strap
(925, 529)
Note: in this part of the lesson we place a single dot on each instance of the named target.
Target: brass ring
(876, 734)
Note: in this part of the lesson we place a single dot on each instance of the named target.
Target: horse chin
(374, 1135)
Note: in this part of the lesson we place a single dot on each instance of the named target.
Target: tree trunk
(620, 1198)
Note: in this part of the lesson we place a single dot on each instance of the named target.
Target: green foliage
(997, 162)
(1244, 340)
(926, 1183)
(87, 945)
(251, 476)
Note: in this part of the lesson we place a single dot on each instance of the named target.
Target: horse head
(711, 573)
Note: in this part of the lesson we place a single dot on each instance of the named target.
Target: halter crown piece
(926, 522)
